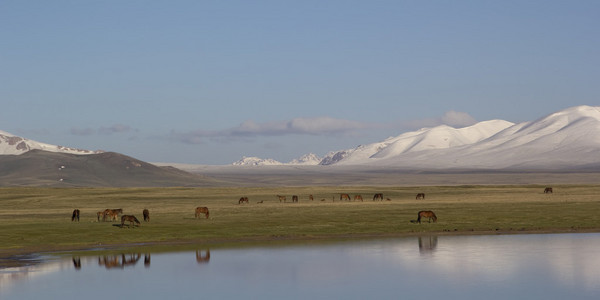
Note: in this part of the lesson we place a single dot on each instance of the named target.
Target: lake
(532, 266)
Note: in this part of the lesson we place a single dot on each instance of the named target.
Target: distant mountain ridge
(564, 139)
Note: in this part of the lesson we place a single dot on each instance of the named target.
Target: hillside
(109, 169)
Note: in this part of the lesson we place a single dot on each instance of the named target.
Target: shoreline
(10, 258)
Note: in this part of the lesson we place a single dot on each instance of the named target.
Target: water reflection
(427, 244)
(450, 267)
(77, 262)
(202, 259)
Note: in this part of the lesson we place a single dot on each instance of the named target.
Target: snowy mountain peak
(307, 159)
(255, 161)
(15, 145)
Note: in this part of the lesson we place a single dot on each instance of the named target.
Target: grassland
(38, 219)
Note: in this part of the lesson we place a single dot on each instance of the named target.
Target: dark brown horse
(344, 197)
(378, 196)
(420, 196)
(311, 198)
(131, 219)
(548, 190)
(427, 214)
(294, 198)
(243, 200)
(146, 214)
(202, 210)
(75, 215)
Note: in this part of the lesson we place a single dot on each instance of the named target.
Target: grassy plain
(38, 219)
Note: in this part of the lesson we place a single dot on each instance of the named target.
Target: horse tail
(419, 217)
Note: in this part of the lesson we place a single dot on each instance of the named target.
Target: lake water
(549, 266)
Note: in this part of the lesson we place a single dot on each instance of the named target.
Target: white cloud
(116, 128)
(299, 126)
(318, 126)
(450, 118)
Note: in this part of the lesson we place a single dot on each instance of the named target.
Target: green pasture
(39, 219)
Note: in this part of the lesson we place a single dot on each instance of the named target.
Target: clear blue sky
(208, 82)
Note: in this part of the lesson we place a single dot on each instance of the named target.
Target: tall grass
(33, 219)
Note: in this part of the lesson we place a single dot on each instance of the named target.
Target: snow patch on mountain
(11, 144)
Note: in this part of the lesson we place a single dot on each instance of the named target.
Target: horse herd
(112, 214)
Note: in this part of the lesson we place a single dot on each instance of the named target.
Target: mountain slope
(109, 169)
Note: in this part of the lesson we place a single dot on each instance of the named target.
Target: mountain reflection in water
(551, 266)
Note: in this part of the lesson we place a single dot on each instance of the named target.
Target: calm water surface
(553, 266)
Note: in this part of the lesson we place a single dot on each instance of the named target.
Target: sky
(208, 82)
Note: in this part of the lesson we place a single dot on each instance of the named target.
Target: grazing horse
(311, 198)
(548, 190)
(202, 210)
(243, 199)
(281, 198)
(378, 196)
(113, 214)
(294, 198)
(420, 196)
(344, 197)
(100, 214)
(358, 197)
(427, 214)
(131, 219)
(75, 215)
(146, 214)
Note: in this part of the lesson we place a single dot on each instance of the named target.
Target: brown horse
(146, 214)
(243, 200)
(131, 219)
(112, 214)
(75, 215)
(358, 197)
(100, 214)
(344, 197)
(311, 198)
(281, 198)
(294, 198)
(202, 210)
(378, 196)
(427, 214)
(548, 190)
(420, 196)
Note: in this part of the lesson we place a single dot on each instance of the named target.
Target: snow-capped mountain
(569, 138)
(440, 137)
(307, 159)
(15, 145)
(255, 161)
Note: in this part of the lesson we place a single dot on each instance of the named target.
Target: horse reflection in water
(147, 260)
(77, 262)
(427, 244)
(119, 261)
(202, 259)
